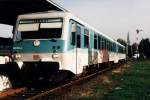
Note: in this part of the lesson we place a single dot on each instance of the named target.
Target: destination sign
(29, 21)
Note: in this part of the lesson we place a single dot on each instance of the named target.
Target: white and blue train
(48, 43)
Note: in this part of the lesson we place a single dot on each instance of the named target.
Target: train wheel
(5, 82)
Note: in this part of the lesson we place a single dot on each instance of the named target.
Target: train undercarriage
(36, 74)
(32, 74)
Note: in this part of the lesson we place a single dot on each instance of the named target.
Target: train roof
(48, 14)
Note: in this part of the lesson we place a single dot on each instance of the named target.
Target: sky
(114, 18)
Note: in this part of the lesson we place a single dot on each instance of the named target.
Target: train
(55, 45)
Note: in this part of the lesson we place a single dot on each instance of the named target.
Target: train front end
(38, 46)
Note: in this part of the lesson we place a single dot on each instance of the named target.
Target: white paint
(28, 27)
(20, 64)
(51, 25)
(2, 60)
(4, 83)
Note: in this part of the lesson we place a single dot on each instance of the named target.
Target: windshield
(39, 29)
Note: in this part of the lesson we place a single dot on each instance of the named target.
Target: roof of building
(10, 9)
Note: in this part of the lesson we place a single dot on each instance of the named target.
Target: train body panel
(75, 61)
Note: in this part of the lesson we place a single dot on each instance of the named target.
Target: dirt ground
(88, 88)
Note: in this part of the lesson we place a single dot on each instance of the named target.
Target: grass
(133, 84)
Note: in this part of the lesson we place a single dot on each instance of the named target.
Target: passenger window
(73, 38)
(73, 33)
(105, 44)
(86, 38)
(108, 45)
(78, 36)
(114, 47)
(111, 47)
(102, 42)
(99, 42)
(95, 41)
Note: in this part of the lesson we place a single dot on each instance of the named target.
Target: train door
(93, 49)
(78, 50)
(90, 49)
(87, 45)
(76, 42)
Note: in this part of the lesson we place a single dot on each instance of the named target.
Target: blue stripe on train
(46, 46)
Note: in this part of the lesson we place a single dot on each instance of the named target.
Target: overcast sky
(113, 17)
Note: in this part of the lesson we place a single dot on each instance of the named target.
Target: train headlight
(18, 56)
(55, 56)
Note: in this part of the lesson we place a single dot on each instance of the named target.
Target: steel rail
(40, 96)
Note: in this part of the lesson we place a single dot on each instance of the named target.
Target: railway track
(45, 93)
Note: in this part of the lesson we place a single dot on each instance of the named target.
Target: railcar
(53, 43)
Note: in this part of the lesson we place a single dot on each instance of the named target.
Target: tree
(130, 52)
(144, 47)
(135, 48)
(121, 41)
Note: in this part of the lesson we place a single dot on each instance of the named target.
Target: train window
(108, 45)
(117, 48)
(99, 42)
(86, 38)
(95, 41)
(78, 36)
(111, 46)
(40, 28)
(73, 33)
(102, 42)
(105, 44)
(114, 47)
(73, 38)
(120, 49)
(124, 50)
